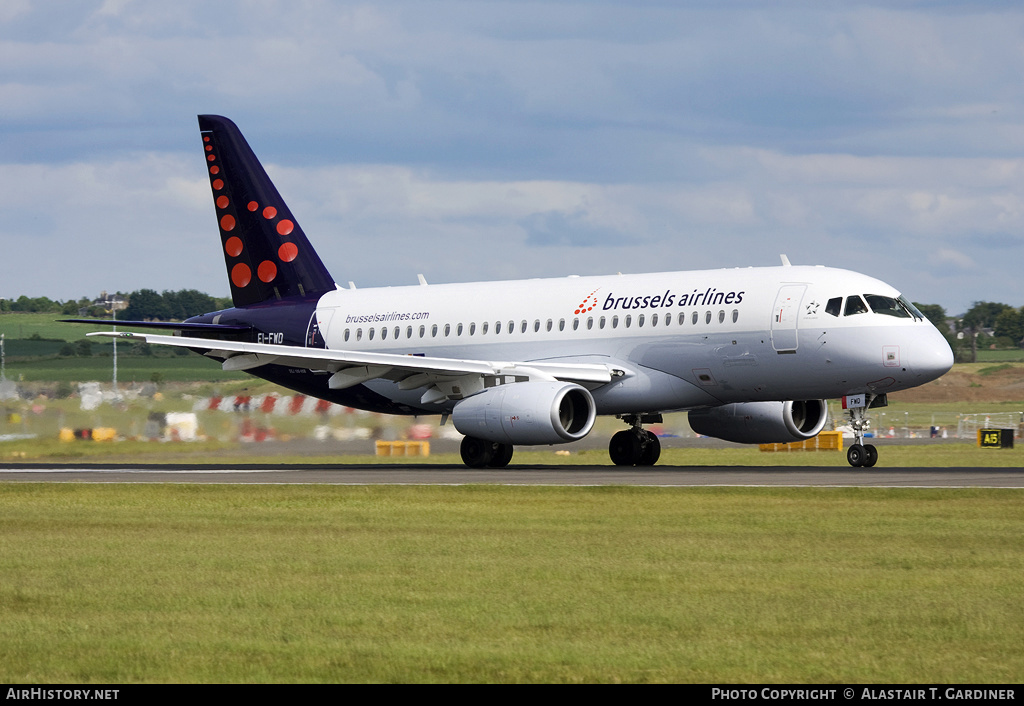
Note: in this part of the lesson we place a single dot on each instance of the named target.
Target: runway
(424, 474)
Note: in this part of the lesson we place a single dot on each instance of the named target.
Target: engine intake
(762, 422)
(527, 413)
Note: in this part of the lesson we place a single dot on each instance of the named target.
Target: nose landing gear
(860, 454)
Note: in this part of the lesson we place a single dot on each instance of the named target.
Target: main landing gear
(479, 453)
(636, 446)
(860, 454)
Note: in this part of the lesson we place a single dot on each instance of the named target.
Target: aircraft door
(784, 317)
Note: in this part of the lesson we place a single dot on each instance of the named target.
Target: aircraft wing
(351, 368)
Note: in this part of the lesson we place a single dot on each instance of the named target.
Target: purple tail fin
(268, 256)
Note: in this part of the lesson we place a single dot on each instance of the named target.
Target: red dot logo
(241, 275)
(267, 271)
(285, 227)
(252, 206)
(233, 246)
(227, 222)
(222, 202)
(218, 184)
(288, 252)
(269, 212)
(210, 158)
(215, 169)
(588, 304)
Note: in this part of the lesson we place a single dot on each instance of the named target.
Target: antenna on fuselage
(785, 261)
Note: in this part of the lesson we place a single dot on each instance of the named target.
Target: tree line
(143, 304)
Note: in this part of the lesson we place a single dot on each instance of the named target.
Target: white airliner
(752, 353)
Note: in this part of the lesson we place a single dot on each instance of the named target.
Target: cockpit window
(911, 308)
(834, 306)
(887, 306)
(855, 305)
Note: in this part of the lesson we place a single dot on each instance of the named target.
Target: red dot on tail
(210, 158)
(233, 246)
(222, 202)
(209, 148)
(206, 139)
(227, 222)
(241, 275)
(288, 252)
(267, 270)
(269, 212)
(218, 184)
(252, 206)
(214, 169)
(285, 227)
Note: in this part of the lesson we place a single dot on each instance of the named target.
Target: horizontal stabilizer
(177, 325)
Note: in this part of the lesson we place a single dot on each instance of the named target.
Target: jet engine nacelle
(527, 413)
(762, 422)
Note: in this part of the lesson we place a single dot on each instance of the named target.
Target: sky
(504, 140)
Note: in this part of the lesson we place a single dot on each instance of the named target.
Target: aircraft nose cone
(933, 357)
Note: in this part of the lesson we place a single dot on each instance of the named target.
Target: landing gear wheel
(502, 455)
(651, 450)
(856, 455)
(477, 453)
(624, 448)
(870, 455)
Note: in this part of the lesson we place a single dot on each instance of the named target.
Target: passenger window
(472, 328)
(497, 327)
(398, 332)
(735, 315)
(458, 330)
(346, 334)
(575, 324)
(855, 305)
(654, 319)
(369, 334)
(600, 322)
(640, 321)
(423, 331)
(359, 334)
(447, 330)
(561, 324)
(433, 331)
(511, 326)
(483, 329)
(628, 320)
(384, 333)
(694, 318)
(834, 306)
(615, 322)
(536, 326)
(721, 317)
(550, 324)
(707, 317)
(408, 332)
(523, 327)
(590, 322)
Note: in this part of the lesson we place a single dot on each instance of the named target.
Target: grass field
(125, 583)
(177, 583)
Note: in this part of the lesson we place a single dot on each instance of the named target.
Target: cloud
(703, 134)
